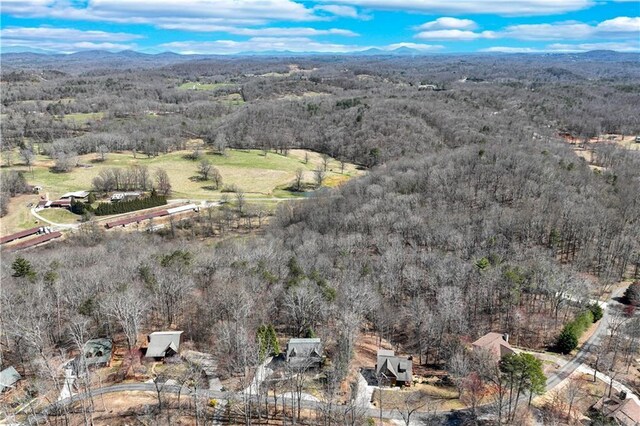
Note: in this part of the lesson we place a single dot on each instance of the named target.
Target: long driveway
(595, 339)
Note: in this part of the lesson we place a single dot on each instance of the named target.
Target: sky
(323, 26)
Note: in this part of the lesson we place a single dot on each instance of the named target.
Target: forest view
(414, 204)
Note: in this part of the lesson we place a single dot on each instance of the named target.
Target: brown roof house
(624, 411)
(497, 344)
(394, 370)
(163, 344)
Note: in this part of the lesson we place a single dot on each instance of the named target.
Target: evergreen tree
(22, 268)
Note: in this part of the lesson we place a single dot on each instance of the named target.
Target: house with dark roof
(163, 344)
(98, 352)
(622, 410)
(496, 343)
(304, 352)
(394, 370)
(8, 378)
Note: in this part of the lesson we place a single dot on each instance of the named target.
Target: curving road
(57, 226)
(566, 370)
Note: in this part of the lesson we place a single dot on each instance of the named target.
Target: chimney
(505, 337)
(623, 395)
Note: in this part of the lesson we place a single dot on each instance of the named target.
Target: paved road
(222, 397)
(595, 339)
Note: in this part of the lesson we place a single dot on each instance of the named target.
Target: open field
(83, 118)
(258, 176)
(190, 85)
(59, 216)
(19, 217)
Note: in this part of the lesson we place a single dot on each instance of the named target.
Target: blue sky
(234, 26)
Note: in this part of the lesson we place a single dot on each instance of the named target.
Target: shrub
(596, 311)
(567, 341)
(632, 294)
(104, 209)
(568, 338)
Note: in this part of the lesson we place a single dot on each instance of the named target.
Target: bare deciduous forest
(475, 214)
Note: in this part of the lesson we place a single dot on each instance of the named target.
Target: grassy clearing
(260, 177)
(232, 99)
(191, 85)
(59, 215)
(83, 118)
(19, 217)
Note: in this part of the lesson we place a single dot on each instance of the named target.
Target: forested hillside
(475, 214)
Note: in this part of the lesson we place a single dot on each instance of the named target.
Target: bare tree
(7, 156)
(163, 185)
(573, 392)
(411, 403)
(127, 308)
(220, 144)
(102, 152)
(216, 177)
(325, 162)
(319, 175)
(28, 157)
(204, 169)
(297, 185)
(240, 200)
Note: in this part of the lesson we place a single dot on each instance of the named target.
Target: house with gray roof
(163, 344)
(394, 370)
(97, 352)
(8, 378)
(304, 352)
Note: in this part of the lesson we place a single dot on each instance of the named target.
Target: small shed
(8, 378)
(306, 352)
(398, 371)
(163, 344)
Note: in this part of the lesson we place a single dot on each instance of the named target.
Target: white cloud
(499, 7)
(448, 23)
(624, 46)
(268, 31)
(338, 10)
(445, 35)
(49, 33)
(229, 12)
(620, 27)
(67, 47)
(621, 24)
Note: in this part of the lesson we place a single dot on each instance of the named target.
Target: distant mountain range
(126, 59)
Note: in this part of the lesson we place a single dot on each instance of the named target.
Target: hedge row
(568, 338)
(104, 209)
